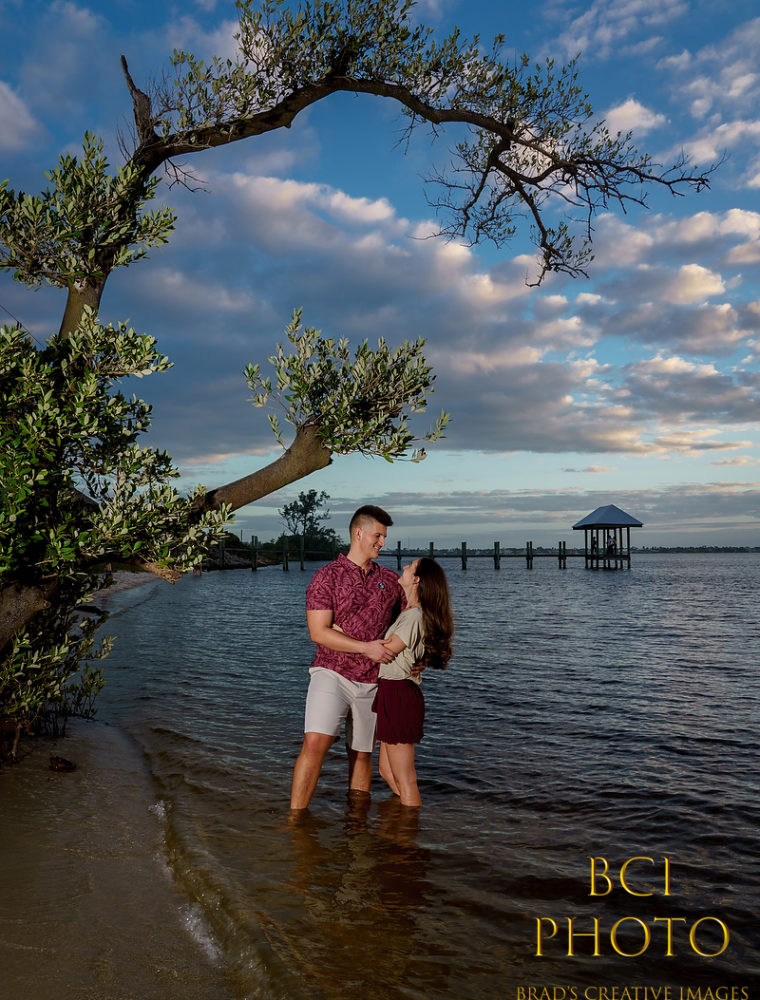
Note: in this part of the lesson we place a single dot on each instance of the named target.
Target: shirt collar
(345, 561)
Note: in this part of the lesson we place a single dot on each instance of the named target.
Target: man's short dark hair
(370, 513)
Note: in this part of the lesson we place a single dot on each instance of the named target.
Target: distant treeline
(696, 548)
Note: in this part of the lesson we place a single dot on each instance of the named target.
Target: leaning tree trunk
(306, 454)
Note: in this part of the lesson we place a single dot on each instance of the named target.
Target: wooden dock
(599, 559)
(528, 554)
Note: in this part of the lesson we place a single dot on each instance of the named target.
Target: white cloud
(657, 366)
(694, 284)
(741, 84)
(185, 33)
(609, 25)
(618, 244)
(720, 85)
(694, 441)
(738, 220)
(632, 116)
(181, 292)
(360, 209)
(470, 362)
(738, 460)
(18, 127)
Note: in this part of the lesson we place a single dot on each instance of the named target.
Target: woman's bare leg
(385, 769)
(400, 756)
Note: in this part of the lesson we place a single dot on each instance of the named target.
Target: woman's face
(408, 573)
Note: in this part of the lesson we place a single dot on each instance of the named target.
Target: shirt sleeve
(408, 628)
(320, 592)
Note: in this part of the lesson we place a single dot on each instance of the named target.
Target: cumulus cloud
(18, 126)
(723, 72)
(719, 84)
(555, 371)
(609, 26)
(694, 284)
(632, 116)
(187, 34)
(677, 391)
(519, 369)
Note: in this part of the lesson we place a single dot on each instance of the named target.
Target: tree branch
(306, 454)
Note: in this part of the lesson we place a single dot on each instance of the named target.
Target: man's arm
(321, 631)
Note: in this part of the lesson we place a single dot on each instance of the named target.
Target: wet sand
(85, 891)
(89, 909)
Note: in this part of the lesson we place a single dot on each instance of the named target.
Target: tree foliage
(357, 404)
(78, 230)
(526, 142)
(78, 493)
(304, 518)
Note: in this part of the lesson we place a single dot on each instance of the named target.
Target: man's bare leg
(308, 768)
(359, 771)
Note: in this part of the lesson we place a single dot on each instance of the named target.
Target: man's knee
(316, 745)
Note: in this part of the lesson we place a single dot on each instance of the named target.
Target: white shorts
(333, 699)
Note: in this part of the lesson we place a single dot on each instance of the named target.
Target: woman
(420, 635)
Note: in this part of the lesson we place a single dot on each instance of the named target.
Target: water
(585, 714)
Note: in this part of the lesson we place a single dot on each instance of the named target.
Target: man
(349, 605)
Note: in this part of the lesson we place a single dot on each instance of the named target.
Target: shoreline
(87, 890)
(125, 580)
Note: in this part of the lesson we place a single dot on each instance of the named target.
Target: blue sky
(639, 386)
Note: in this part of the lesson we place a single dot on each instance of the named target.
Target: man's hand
(385, 655)
(378, 651)
(323, 630)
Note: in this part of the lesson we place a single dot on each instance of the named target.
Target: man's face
(371, 539)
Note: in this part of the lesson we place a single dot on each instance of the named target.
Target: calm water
(585, 714)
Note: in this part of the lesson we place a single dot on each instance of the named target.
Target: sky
(637, 386)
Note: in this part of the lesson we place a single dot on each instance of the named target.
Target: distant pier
(595, 556)
(560, 554)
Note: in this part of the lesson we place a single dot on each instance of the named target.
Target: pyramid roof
(608, 517)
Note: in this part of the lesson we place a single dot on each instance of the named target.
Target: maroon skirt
(400, 709)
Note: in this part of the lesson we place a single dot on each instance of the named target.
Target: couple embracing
(374, 632)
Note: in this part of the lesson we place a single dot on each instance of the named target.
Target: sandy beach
(84, 883)
(125, 580)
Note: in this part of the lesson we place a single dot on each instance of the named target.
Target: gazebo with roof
(603, 533)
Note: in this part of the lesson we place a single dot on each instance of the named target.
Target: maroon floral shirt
(363, 606)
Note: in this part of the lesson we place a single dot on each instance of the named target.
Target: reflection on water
(584, 714)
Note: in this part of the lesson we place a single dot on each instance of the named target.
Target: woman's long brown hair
(437, 621)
